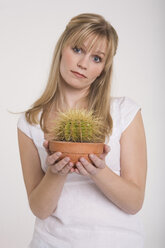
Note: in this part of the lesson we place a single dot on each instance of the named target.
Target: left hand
(88, 169)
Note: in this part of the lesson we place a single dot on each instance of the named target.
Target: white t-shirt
(85, 217)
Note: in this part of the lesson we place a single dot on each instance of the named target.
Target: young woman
(89, 205)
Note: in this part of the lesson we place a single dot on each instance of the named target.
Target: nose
(82, 63)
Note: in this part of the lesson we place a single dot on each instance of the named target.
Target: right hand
(61, 167)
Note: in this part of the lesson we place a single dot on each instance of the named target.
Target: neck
(72, 97)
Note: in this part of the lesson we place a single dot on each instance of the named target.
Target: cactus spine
(78, 125)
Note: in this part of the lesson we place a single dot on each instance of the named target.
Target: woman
(87, 205)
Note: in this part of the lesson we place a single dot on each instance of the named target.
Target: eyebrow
(99, 52)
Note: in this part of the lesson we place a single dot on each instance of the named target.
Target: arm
(43, 189)
(126, 190)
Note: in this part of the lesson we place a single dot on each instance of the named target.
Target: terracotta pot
(75, 150)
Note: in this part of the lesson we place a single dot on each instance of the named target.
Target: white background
(28, 32)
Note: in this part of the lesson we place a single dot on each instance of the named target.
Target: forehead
(95, 44)
(90, 43)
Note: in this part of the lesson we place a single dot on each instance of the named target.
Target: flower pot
(75, 150)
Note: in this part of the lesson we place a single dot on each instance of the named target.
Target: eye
(97, 59)
(77, 50)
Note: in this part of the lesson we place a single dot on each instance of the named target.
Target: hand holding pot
(88, 169)
(61, 167)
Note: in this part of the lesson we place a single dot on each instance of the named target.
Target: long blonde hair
(76, 32)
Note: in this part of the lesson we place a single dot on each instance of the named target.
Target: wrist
(51, 173)
(99, 174)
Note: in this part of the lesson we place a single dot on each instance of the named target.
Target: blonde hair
(80, 28)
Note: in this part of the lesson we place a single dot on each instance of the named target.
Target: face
(79, 67)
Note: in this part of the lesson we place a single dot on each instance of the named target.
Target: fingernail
(67, 159)
(82, 159)
(58, 153)
(91, 155)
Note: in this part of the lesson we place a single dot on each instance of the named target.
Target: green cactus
(78, 125)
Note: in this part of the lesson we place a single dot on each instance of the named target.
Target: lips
(78, 74)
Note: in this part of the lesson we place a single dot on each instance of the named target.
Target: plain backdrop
(28, 33)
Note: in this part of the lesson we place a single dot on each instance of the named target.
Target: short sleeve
(24, 126)
(128, 110)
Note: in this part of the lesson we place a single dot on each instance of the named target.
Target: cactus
(78, 125)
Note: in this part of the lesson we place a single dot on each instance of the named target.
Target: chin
(73, 83)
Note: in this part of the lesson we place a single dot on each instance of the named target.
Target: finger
(72, 170)
(77, 171)
(99, 163)
(80, 169)
(46, 146)
(106, 150)
(61, 164)
(90, 168)
(45, 143)
(53, 158)
(66, 169)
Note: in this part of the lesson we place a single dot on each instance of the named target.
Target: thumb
(106, 150)
(46, 145)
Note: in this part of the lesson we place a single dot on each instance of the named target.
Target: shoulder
(23, 125)
(26, 127)
(123, 111)
(123, 102)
